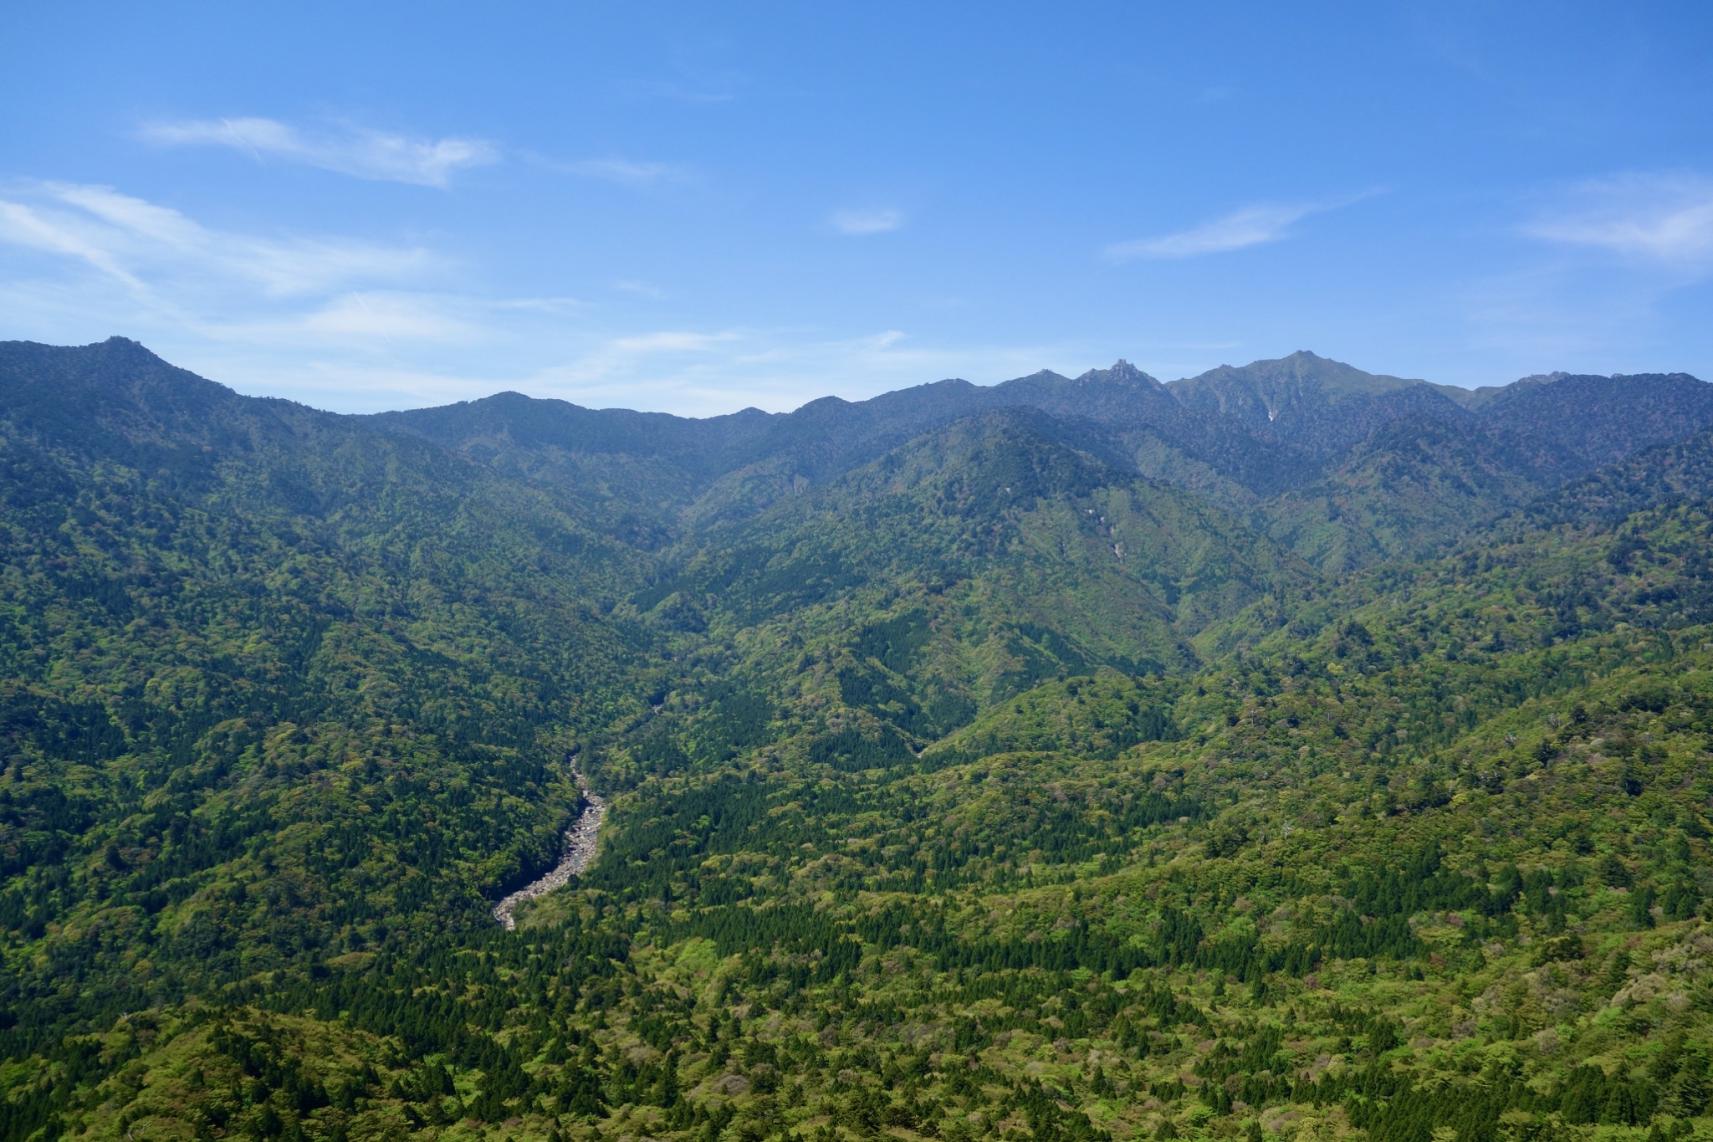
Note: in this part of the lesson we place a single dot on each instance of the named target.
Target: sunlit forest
(982, 762)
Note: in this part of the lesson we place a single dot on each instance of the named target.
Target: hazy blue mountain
(1310, 402)
(1573, 424)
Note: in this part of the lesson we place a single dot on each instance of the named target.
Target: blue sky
(698, 207)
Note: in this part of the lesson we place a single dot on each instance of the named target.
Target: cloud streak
(1660, 219)
(363, 319)
(24, 225)
(860, 223)
(356, 151)
(136, 243)
(625, 172)
(1254, 225)
(702, 373)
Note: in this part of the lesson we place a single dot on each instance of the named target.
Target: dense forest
(1289, 752)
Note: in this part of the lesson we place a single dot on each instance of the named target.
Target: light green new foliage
(1052, 761)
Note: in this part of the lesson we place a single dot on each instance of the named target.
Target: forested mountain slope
(240, 643)
(1287, 753)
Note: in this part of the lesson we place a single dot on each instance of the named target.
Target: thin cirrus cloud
(388, 317)
(232, 286)
(1253, 225)
(1665, 220)
(701, 373)
(385, 157)
(357, 151)
(618, 170)
(362, 319)
(268, 312)
(638, 288)
(26, 226)
(143, 246)
(859, 223)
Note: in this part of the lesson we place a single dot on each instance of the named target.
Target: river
(580, 841)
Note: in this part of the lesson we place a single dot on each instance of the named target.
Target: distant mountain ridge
(1173, 504)
(1007, 755)
(1257, 437)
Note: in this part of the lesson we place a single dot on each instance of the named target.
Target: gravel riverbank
(580, 841)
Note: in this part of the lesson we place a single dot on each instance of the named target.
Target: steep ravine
(580, 841)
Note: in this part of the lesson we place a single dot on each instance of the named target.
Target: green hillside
(1069, 759)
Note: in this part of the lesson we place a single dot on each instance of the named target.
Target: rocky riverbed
(580, 841)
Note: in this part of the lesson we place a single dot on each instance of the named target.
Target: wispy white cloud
(358, 320)
(639, 288)
(626, 172)
(28, 226)
(111, 262)
(549, 305)
(1593, 294)
(1663, 219)
(670, 341)
(359, 326)
(1253, 225)
(631, 355)
(366, 349)
(142, 244)
(620, 170)
(357, 151)
(859, 222)
(382, 156)
(707, 372)
(385, 321)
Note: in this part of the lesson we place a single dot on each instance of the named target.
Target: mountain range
(1284, 752)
